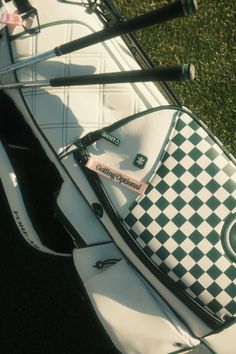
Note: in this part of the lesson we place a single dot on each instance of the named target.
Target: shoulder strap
(23, 5)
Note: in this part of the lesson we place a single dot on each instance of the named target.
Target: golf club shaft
(173, 73)
(171, 11)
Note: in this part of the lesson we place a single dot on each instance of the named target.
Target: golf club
(173, 73)
(171, 11)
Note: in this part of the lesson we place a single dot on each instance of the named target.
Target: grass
(208, 41)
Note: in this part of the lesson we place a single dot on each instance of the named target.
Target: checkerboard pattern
(178, 221)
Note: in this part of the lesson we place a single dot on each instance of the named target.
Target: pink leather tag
(11, 19)
(116, 176)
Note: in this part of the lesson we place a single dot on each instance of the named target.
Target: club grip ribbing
(174, 73)
(171, 11)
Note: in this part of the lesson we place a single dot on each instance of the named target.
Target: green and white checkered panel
(178, 221)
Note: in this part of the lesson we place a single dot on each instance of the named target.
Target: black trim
(37, 178)
(228, 324)
(78, 240)
(228, 239)
(32, 12)
(23, 5)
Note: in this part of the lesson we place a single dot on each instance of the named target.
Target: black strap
(23, 6)
(92, 137)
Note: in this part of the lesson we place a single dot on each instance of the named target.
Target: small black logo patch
(140, 161)
(112, 139)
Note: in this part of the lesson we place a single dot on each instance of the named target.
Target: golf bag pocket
(135, 319)
(179, 222)
(127, 153)
(182, 225)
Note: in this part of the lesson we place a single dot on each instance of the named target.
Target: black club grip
(173, 73)
(171, 11)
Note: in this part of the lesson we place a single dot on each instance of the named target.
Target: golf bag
(169, 188)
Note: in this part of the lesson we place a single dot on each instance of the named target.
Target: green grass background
(208, 40)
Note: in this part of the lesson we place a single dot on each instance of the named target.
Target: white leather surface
(65, 113)
(135, 320)
(80, 215)
(222, 342)
(146, 135)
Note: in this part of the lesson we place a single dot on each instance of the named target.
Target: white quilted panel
(64, 114)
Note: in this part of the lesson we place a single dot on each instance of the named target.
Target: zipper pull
(101, 264)
(89, 139)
